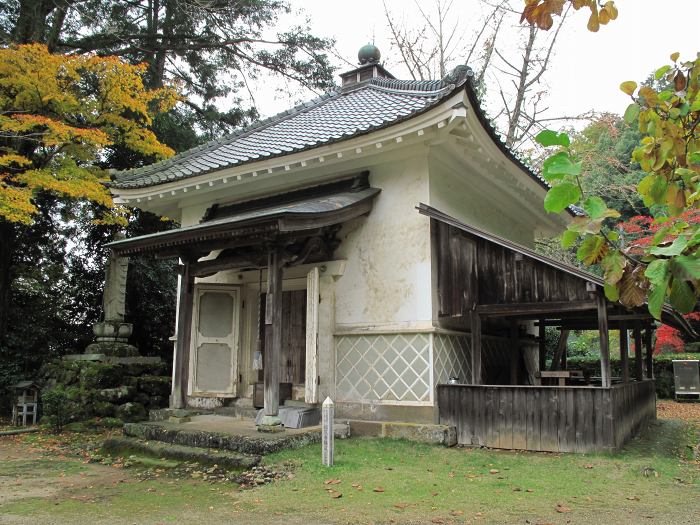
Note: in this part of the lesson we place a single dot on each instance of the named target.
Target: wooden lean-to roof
(261, 219)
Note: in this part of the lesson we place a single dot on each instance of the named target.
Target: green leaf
(559, 165)
(594, 207)
(561, 196)
(661, 71)
(632, 113)
(568, 238)
(686, 267)
(682, 296)
(592, 249)
(694, 158)
(611, 292)
(657, 295)
(679, 244)
(657, 271)
(551, 138)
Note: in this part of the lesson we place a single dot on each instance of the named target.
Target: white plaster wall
(386, 282)
(466, 196)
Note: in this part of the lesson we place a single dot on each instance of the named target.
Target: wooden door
(215, 341)
(293, 352)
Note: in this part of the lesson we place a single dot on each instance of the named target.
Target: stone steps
(125, 446)
(252, 443)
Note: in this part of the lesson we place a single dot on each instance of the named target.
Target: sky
(585, 72)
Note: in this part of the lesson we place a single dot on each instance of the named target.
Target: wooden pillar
(604, 341)
(514, 352)
(543, 345)
(648, 333)
(181, 365)
(638, 363)
(624, 352)
(476, 348)
(273, 346)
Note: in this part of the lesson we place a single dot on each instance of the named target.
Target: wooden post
(638, 363)
(273, 346)
(181, 365)
(604, 341)
(650, 352)
(543, 345)
(514, 352)
(624, 352)
(476, 348)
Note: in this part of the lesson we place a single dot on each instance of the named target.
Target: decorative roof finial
(369, 54)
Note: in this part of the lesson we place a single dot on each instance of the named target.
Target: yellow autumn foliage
(59, 113)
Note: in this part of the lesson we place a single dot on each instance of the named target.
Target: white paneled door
(216, 328)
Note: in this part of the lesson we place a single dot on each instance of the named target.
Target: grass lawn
(654, 480)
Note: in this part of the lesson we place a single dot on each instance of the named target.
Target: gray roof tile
(338, 115)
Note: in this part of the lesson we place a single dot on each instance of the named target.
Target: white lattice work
(391, 368)
(451, 358)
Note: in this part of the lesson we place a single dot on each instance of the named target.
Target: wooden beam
(514, 352)
(604, 341)
(624, 352)
(181, 365)
(542, 345)
(638, 362)
(204, 268)
(533, 309)
(476, 348)
(560, 351)
(273, 345)
(648, 333)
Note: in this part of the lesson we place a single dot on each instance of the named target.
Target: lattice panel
(451, 358)
(385, 368)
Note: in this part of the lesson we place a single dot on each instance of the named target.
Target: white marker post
(327, 438)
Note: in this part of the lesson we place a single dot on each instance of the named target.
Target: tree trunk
(31, 21)
(7, 244)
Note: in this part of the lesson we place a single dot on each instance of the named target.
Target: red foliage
(668, 339)
(640, 229)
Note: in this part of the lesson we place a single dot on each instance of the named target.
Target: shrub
(57, 408)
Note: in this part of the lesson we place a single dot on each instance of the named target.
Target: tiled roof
(336, 116)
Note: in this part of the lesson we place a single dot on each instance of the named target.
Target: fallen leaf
(335, 495)
(400, 505)
(437, 520)
(529, 490)
(494, 471)
(434, 493)
(357, 486)
(377, 489)
(456, 512)
(633, 498)
(561, 508)
(588, 466)
(332, 482)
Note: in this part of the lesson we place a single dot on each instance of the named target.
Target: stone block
(116, 395)
(154, 385)
(131, 412)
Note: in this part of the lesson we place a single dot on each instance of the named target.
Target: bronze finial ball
(369, 54)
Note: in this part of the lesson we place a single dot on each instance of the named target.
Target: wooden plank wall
(473, 270)
(634, 404)
(549, 418)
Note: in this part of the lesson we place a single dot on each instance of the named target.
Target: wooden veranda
(489, 285)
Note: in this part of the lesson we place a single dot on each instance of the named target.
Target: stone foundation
(126, 391)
